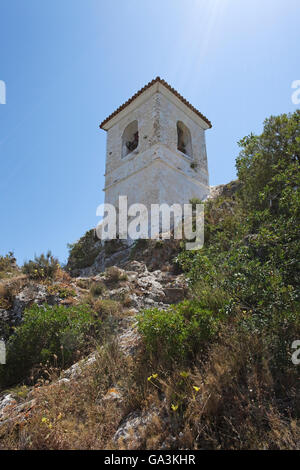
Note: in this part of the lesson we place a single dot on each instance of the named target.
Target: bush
(126, 300)
(115, 274)
(7, 265)
(57, 335)
(64, 292)
(179, 332)
(97, 288)
(252, 240)
(242, 400)
(250, 255)
(83, 283)
(106, 307)
(83, 253)
(42, 267)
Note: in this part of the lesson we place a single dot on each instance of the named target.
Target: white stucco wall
(156, 172)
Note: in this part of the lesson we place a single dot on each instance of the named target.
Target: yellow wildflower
(184, 374)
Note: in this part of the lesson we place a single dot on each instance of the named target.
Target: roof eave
(104, 124)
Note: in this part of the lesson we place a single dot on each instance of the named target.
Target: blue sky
(67, 64)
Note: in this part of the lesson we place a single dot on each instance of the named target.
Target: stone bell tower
(156, 151)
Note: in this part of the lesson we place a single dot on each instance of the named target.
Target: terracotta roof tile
(163, 82)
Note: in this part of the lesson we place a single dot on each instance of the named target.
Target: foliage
(83, 253)
(268, 165)
(43, 267)
(7, 265)
(216, 368)
(269, 169)
(178, 332)
(251, 247)
(48, 334)
(63, 291)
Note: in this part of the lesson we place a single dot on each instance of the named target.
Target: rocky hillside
(156, 347)
(132, 289)
(118, 282)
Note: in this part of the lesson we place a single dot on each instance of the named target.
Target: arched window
(184, 139)
(130, 138)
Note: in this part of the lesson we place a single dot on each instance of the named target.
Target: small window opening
(130, 139)
(184, 140)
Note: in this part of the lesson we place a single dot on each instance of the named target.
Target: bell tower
(156, 151)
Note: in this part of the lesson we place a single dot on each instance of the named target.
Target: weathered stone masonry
(156, 151)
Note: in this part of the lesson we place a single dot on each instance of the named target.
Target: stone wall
(156, 171)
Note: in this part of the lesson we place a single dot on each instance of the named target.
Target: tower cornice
(157, 81)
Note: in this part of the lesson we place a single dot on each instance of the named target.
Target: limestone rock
(33, 293)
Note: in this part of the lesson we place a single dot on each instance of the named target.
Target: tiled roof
(163, 82)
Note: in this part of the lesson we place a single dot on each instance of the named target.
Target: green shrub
(251, 253)
(62, 291)
(269, 169)
(182, 330)
(56, 335)
(43, 267)
(83, 253)
(212, 298)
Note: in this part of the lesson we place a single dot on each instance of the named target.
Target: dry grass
(84, 284)
(97, 288)
(114, 274)
(126, 301)
(62, 276)
(9, 289)
(233, 400)
(4, 301)
(239, 404)
(72, 415)
(107, 307)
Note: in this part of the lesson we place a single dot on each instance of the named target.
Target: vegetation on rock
(48, 335)
(84, 252)
(8, 265)
(211, 372)
(42, 267)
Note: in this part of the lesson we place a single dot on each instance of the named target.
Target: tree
(268, 165)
